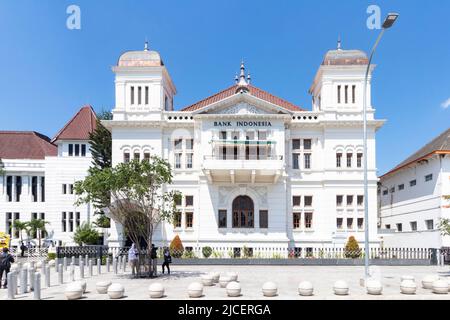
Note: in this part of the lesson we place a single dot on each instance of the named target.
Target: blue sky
(49, 71)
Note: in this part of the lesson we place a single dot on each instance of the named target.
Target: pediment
(242, 108)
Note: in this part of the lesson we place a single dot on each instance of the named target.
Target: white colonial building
(255, 170)
(412, 197)
(38, 178)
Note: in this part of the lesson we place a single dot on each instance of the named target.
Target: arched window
(243, 212)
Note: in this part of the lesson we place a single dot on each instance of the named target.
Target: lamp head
(390, 19)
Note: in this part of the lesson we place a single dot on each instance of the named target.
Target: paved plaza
(251, 279)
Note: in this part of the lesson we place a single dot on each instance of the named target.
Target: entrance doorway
(243, 212)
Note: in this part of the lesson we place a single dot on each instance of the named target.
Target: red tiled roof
(25, 145)
(79, 127)
(254, 91)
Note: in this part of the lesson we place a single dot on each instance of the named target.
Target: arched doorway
(243, 212)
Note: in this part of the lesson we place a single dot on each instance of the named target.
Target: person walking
(133, 260)
(5, 265)
(167, 260)
(23, 247)
(154, 257)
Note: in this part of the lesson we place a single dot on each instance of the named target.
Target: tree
(36, 227)
(444, 223)
(85, 234)
(100, 142)
(20, 226)
(176, 247)
(102, 221)
(139, 202)
(352, 249)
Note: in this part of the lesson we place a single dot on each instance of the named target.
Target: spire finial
(146, 44)
(236, 78)
(339, 42)
(249, 78)
(242, 81)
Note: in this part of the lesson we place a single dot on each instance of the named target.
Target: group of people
(133, 256)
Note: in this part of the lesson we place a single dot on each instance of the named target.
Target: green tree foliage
(352, 249)
(444, 223)
(20, 226)
(102, 221)
(139, 202)
(207, 251)
(176, 247)
(85, 234)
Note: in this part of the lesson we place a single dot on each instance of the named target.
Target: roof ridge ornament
(339, 43)
(146, 45)
(241, 82)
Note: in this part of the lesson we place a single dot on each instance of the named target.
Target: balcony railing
(241, 157)
(234, 142)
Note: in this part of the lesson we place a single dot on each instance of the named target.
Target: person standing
(167, 260)
(23, 247)
(133, 260)
(154, 257)
(5, 265)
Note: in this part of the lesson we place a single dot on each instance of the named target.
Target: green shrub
(352, 249)
(189, 254)
(176, 247)
(51, 256)
(207, 251)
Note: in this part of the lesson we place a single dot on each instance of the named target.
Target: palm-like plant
(19, 226)
(36, 225)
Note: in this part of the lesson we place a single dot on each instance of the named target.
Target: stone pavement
(252, 278)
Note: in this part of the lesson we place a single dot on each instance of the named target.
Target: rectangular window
(350, 223)
(139, 95)
(338, 159)
(308, 201)
(296, 201)
(189, 201)
(360, 223)
(385, 192)
(189, 144)
(308, 220)
(137, 156)
(146, 156)
(132, 95)
(177, 220)
(339, 223)
(223, 135)
(18, 188)
(401, 187)
(392, 190)
(42, 216)
(359, 160)
(413, 225)
(349, 200)
(360, 200)
(77, 150)
(307, 160)
(353, 94)
(295, 164)
(70, 149)
(296, 144)
(9, 223)
(34, 216)
(177, 160)
(222, 218)
(189, 219)
(126, 157)
(263, 219)
(70, 221)
(339, 94)
(388, 226)
(346, 94)
(339, 200)
(71, 188)
(9, 180)
(349, 160)
(43, 189)
(83, 150)
(146, 95)
(34, 181)
(64, 188)
(429, 224)
(189, 157)
(77, 219)
(178, 201)
(412, 183)
(307, 144)
(428, 177)
(262, 135)
(296, 220)
(399, 227)
(63, 222)
(178, 144)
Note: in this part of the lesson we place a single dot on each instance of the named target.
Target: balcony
(243, 161)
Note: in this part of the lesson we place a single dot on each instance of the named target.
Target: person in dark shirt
(5, 265)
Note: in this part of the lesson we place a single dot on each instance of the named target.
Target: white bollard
(90, 268)
(23, 281)
(115, 265)
(65, 263)
(10, 279)
(60, 274)
(73, 260)
(37, 286)
(47, 277)
(81, 270)
(99, 266)
(31, 274)
(72, 271)
(80, 259)
(108, 267)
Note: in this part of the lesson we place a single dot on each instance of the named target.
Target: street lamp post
(388, 22)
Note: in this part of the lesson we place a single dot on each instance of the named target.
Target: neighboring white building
(39, 174)
(254, 169)
(412, 199)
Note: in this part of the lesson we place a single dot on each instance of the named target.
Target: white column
(38, 189)
(13, 188)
